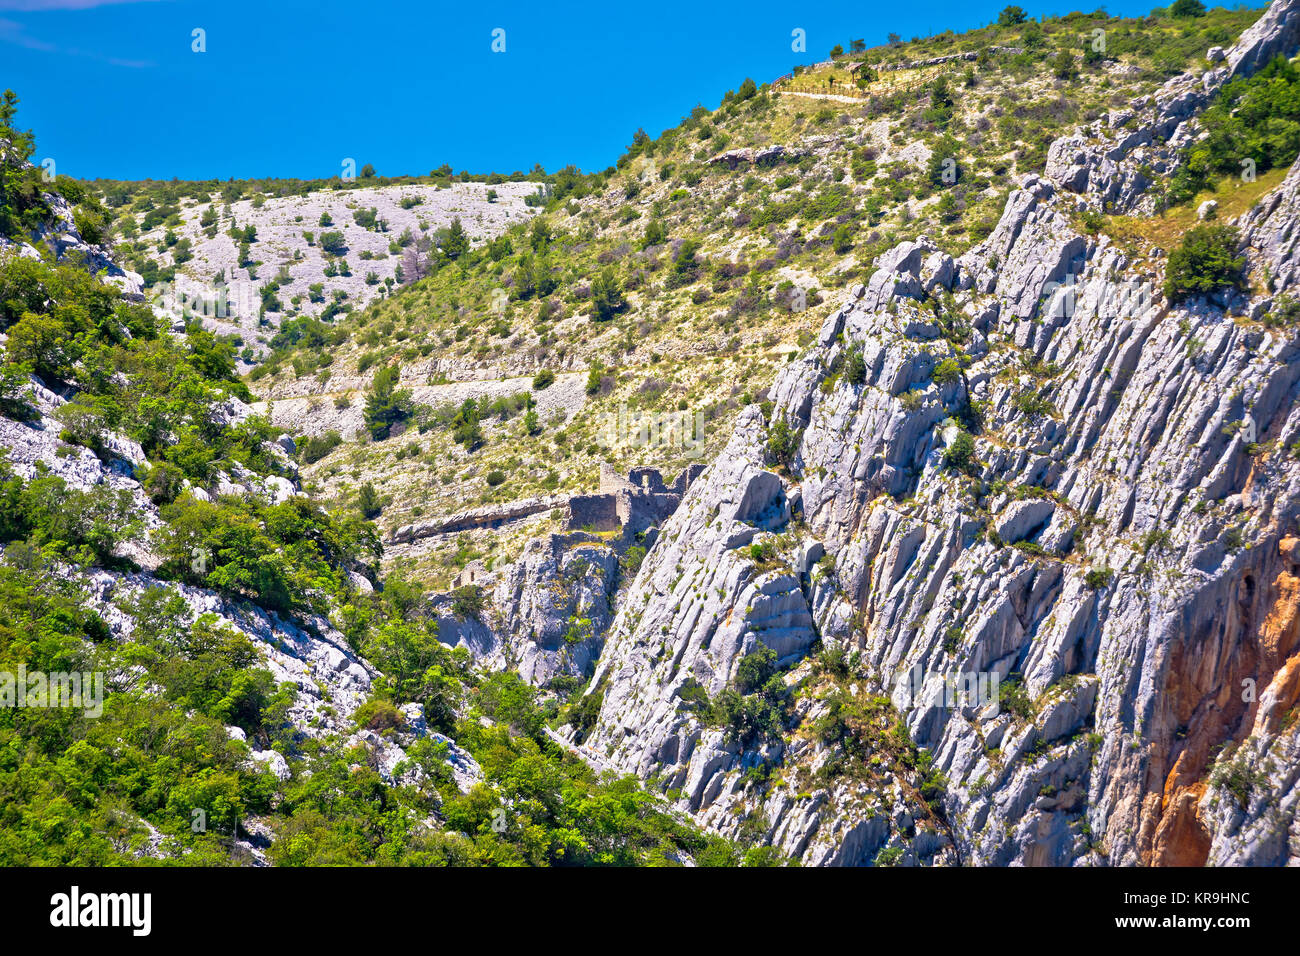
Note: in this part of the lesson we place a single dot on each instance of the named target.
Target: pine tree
(457, 243)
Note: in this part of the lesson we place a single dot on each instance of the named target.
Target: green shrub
(1205, 262)
(947, 372)
(468, 602)
(782, 443)
(315, 447)
(606, 296)
(1285, 313)
(332, 242)
(960, 454)
(1033, 405)
(368, 501)
(386, 404)
(855, 367)
(1014, 699)
(632, 559)
(1098, 578)
(163, 482)
(378, 715)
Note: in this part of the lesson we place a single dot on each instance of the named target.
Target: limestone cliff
(1117, 549)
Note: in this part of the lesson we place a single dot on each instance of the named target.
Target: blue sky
(113, 89)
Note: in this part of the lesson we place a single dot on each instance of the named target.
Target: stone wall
(633, 503)
(489, 516)
(594, 512)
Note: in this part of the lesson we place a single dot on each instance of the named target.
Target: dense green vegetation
(1252, 126)
(22, 205)
(101, 790)
(156, 777)
(1206, 261)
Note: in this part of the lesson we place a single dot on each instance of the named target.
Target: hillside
(245, 266)
(898, 464)
(195, 665)
(679, 281)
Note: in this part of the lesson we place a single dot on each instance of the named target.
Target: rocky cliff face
(549, 610)
(1120, 553)
(1113, 162)
(66, 243)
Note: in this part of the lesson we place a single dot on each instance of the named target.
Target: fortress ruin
(641, 500)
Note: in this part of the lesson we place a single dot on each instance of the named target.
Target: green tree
(21, 202)
(944, 166)
(1010, 16)
(684, 264)
(842, 238)
(960, 454)
(333, 242)
(368, 502)
(1064, 66)
(606, 295)
(1206, 261)
(655, 234)
(855, 367)
(1187, 8)
(782, 443)
(947, 372)
(465, 425)
(386, 404)
(456, 243)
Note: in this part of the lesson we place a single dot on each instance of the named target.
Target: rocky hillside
(236, 689)
(896, 465)
(668, 291)
(1075, 508)
(245, 266)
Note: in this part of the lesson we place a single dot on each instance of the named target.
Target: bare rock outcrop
(545, 615)
(1111, 163)
(1114, 547)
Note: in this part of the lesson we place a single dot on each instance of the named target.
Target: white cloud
(36, 6)
(14, 33)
